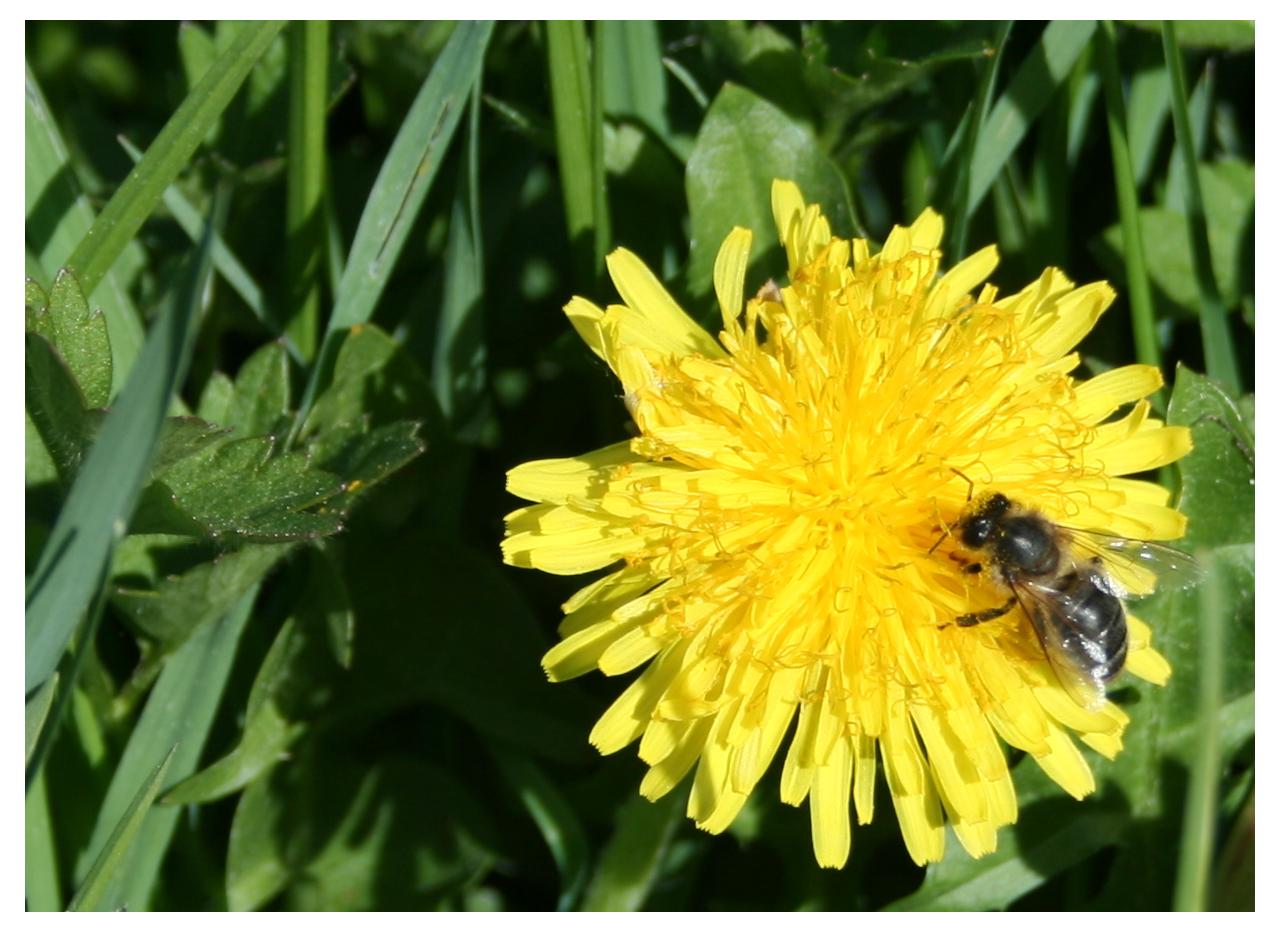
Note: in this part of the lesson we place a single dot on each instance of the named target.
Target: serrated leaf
(260, 399)
(56, 407)
(91, 892)
(374, 377)
(744, 143)
(76, 557)
(215, 399)
(80, 336)
(179, 605)
(243, 490)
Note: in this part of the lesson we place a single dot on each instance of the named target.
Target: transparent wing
(1137, 568)
(1072, 661)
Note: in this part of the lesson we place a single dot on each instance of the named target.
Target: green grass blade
(633, 82)
(93, 889)
(977, 112)
(1200, 102)
(459, 349)
(73, 565)
(554, 818)
(1046, 67)
(179, 712)
(397, 195)
(38, 712)
(1221, 360)
(1139, 292)
(134, 201)
(59, 216)
(43, 886)
(575, 130)
(304, 213)
(1150, 101)
(1197, 845)
(632, 859)
(224, 260)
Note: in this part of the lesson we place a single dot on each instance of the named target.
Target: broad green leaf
(400, 834)
(744, 144)
(1036, 80)
(96, 881)
(168, 155)
(402, 183)
(55, 407)
(631, 860)
(178, 605)
(179, 712)
(80, 336)
(59, 216)
(38, 706)
(1228, 190)
(97, 510)
(294, 684)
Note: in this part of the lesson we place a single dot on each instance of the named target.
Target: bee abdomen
(1099, 622)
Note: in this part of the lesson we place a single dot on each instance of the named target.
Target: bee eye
(977, 532)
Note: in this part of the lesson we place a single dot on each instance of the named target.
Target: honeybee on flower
(768, 536)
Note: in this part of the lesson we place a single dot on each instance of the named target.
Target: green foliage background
(273, 659)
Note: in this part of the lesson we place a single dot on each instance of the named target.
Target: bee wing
(1137, 568)
(1072, 666)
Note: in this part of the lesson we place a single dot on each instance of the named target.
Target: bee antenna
(938, 543)
(970, 484)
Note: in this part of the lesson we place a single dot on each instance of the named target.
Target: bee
(1069, 583)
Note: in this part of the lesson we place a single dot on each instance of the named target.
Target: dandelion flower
(767, 534)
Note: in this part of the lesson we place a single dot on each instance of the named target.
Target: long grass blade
(73, 565)
(91, 892)
(227, 265)
(976, 114)
(38, 708)
(576, 125)
(134, 201)
(304, 211)
(1139, 291)
(632, 859)
(178, 713)
(1197, 845)
(1046, 67)
(1221, 360)
(43, 885)
(397, 195)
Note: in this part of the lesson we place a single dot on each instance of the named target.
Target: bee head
(981, 520)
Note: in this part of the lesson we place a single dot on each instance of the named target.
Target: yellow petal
(729, 274)
(660, 317)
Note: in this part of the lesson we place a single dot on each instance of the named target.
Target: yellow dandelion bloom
(770, 529)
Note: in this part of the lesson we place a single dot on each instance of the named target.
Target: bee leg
(983, 616)
(968, 567)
